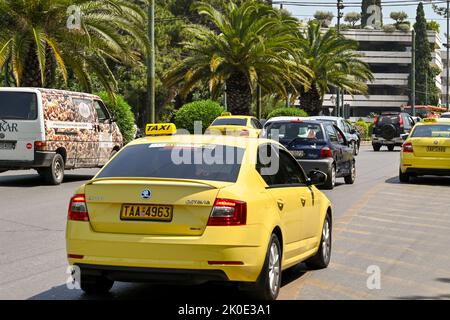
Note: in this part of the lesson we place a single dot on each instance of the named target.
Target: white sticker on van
(84, 110)
(69, 125)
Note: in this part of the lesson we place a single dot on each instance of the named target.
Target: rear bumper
(323, 165)
(428, 172)
(424, 165)
(161, 256)
(398, 141)
(41, 159)
(132, 274)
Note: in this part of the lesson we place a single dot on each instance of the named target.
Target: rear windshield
(388, 119)
(230, 122)
(298, 131)
(18, 106)
(431, 131)
(177, 161)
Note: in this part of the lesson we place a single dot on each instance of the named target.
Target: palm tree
(333, 62)
(254, 46)
(36, 42)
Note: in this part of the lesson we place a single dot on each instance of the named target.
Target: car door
(334, 144)
(287, 189)
(105, 132)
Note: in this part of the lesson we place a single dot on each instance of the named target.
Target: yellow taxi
(426, 150)
(198, 208)
(228, 124)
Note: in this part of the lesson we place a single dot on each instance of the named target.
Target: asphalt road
(399, 233)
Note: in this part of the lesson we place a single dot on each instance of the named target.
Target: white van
(53, 130)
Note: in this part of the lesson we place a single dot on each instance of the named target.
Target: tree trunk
(239, 95)
(31, 76)
(311, 101)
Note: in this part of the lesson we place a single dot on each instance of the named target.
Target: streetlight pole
(340, 6)
(151, 61)
(413, 73)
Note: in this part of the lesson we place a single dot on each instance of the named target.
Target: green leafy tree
(287, 112)
(36, 43)
(399, 17)
(334, 63)
(426, 89)
(352, 18)
(205, 111)
(254, 47)
(324, 18)
(364, 15)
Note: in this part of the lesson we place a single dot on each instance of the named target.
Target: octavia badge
(436, 142)
(146, 194)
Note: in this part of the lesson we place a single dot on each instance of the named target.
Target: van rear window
(18, 106)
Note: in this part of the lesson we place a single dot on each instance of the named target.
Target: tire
(376, 147)
(391, 148)
(322, 258)
(356, 150)
(95, 284)
(331, 178)
(403, 177)
(54, 174)
(388, 131)
(350, 179)
(268, 284)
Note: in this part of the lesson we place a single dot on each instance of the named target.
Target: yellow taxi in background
(161, 210)
(227, 124)
(426, 150)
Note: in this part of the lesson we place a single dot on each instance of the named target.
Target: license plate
(146, 212)
(7, 145)
(436, 149)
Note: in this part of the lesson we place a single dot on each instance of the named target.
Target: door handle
(280, 204)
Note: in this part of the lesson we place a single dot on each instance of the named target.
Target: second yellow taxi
(195, 209)
(228, 124)
(426, 150)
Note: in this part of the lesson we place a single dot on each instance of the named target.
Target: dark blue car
(316, 145)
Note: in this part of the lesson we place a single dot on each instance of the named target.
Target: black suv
(389, 129)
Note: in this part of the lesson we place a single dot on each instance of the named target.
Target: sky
(306, 12)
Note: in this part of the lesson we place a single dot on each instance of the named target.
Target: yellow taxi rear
(427, 150)
(154, 213)
(243, 126)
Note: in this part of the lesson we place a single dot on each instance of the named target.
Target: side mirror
(404, 136)
(317, 178)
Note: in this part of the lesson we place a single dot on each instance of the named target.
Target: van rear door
(21, 124)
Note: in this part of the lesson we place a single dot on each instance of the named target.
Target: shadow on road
(34, 180)
(436, 297)
(209, 292)
(427, 180)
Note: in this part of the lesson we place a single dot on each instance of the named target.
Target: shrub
(363, 128)
(405, 27)
(204, 110)
(389, 28)
(287, 112)
(433, 25)
(123, 113)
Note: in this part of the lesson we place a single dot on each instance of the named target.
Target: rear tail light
(39, 145)
(244, 133)
(228, 213)
(408, 147)
(376, 120)
(326, 153)
(78, 208)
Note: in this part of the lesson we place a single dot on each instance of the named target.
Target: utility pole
(151, 61)
(413, 73)
(340, 6)
(447, 45)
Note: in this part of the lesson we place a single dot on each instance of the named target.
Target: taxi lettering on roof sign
(158, 129)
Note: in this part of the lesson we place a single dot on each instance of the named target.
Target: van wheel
(323, 255)
(268, 284)
(95, 284)
(54, 174)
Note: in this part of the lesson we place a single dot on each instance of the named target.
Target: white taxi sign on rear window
(159, 129)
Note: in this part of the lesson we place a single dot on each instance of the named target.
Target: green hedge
(287, 112)
(363, 128)
(124, 114)
(205, 111)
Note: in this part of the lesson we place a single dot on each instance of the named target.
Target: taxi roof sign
(226, 114)
(429, 120)
(159, 129)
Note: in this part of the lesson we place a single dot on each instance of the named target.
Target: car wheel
(268, 284)
(350, 179)
(322, 258)
(331, 178)
(95, 284)
(54, 174)
(391, 148)
(403, 177)
(376, 147)
(356, 150)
